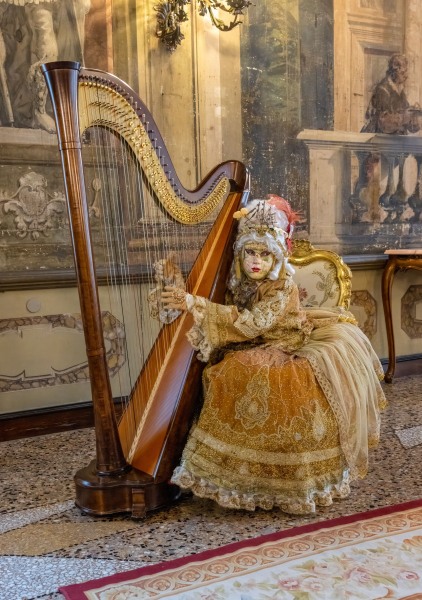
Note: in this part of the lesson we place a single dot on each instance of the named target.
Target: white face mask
(257, 261)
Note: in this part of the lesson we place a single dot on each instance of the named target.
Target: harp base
(131, 491)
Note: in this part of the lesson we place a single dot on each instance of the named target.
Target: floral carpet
(368, 556)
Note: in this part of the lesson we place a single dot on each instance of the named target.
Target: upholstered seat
(321, 275)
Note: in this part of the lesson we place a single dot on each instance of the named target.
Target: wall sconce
(172, 13)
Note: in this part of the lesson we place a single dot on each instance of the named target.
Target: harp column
(62, 82)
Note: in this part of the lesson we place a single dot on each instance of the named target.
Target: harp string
(135, 233)
(117, 261)
(154, 251)
(102, 163)
(142, 336)
(155, 248)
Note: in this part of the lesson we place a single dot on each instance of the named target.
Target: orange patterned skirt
(266, 436)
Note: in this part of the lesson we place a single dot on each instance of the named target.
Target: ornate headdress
(274, 216)
(270, 222)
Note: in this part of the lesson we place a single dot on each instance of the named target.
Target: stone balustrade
(365, 190)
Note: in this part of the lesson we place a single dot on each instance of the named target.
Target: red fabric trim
(76, 591)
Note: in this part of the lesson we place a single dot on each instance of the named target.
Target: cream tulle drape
(349, 371)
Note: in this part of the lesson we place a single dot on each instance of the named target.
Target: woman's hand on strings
(174, 298)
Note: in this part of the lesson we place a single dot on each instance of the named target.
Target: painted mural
(34, 230)
(332, 118)
(320, 98)
(287, 85)
(337, 132)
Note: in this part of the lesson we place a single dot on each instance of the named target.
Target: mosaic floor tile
(42, 538)
(412, 436)
(46, 541)
(27, 578)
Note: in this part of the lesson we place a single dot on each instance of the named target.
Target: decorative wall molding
(77, 373)
(409, 323)
(366, 301)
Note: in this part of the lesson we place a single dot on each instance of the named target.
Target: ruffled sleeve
(213, 326)
(275, 317)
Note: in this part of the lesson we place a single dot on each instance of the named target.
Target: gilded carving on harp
(134, 224)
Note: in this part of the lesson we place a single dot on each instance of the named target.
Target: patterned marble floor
(46, 542)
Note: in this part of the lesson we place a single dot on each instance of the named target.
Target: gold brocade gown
(289, 411)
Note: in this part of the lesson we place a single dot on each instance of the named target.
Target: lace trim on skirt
(233, 499)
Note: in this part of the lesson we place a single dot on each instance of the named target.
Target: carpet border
(77, 590)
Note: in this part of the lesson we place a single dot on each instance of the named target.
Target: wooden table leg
(387, 284)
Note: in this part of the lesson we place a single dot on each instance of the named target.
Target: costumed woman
(292, 397)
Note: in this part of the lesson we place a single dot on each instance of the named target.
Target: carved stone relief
(32, 207)
(34, 223)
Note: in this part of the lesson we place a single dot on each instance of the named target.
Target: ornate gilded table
(398, 260)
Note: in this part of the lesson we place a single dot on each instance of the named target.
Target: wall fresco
(287, 92)
(287, 83)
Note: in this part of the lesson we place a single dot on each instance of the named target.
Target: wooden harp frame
(109, 484)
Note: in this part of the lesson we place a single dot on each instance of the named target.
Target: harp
(111, 147)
